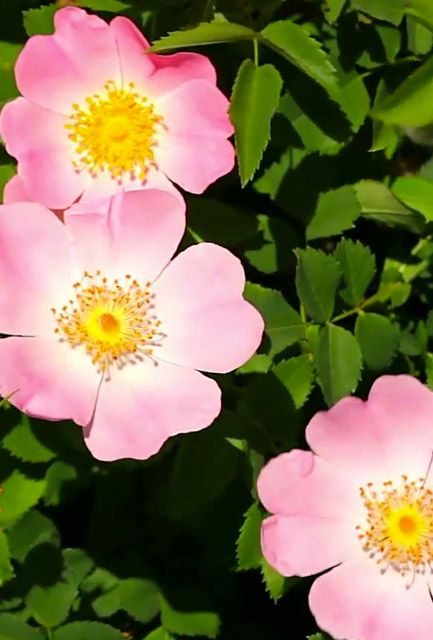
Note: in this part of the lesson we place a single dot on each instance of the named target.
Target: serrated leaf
(378, 203)
(19, 495)
(255, 98)
(139, 598)
(12, 628)
(87, 631)
(378, 339)
(205, 33)
(317, 278)
(358, 267)
(50, 605)
(420, 10)
(297, 375)
(338, 362)
(391, 10)
(409, 105)
(416, 193)
(30, 530)
(110, 6)
(274, 582)
(296, 44)
(23, 442)
(336, 211)
(283, 325)
(189, 623)
(39, 21)
(248, 550)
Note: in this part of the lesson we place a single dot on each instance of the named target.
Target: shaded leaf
(87, 631)
(189, 623)
(12, 628)
(317, 278)
(23, 442)
(378, 203)
(204, 33)
(139, 598)
(336, 211)
(338, 363)
(297, 375)
(39, 21)
(378, 339)
(358, 266)
(30, 530)
(416, 193)
(19, 495)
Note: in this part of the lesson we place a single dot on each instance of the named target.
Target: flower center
(114, 321)
(398, 531)
(114, 131)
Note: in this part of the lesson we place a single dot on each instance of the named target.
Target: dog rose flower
(106, 331)
(361, 505)
(99, 114)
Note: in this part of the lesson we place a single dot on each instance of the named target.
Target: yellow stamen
(114, 322)
(398, 531)
(114, 131)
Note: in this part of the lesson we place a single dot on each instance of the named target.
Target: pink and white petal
(48, 379)
(133, 233)
(38, 139)
(59, 70)
(14, 191)
(206, 323)
(143, 405)
(303, 546)
(356, 602)
(171, 71)
(35, 268)
(196, 109)
(300, 483)
(194, 162)
(135, 65)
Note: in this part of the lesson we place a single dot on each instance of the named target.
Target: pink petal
(48, 379)
(14, 191)
(133, 233)
(38, 139)
(144, 404)
(356, 602)
(35, 268)
(135, 65)
(176, 69)
(75, 62)
(302, 545)
(299, 483)
(206, 322)
(382, 437)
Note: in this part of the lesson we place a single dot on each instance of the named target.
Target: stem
(256, 51)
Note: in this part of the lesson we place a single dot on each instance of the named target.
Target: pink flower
(106, 331)
(362, 503)
(100, 114)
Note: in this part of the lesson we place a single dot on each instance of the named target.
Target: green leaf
(333, 9)
(358, 266)
(296, 44)
(416, 193)
(110, 6)
(378, 339)
(390, 10)
(317, 278)
(159, 634)
(12, 628)
(19, 495)
(420, 10)
(87, 631)
(6, 569)
(338, 363)
(409, 105)
(248, 550)
(255, 98)
(188, 623)
(215, 221)
(203, 34)
(23, 442)
(297, 375)
(274, 254)
(378, 203)
(274, 582)
(57, 478)
(39, 21)
(6, 173)
(30, 530)
(283, 325)
(50, 605)
(336, 211)
(8, 88)
(139, 598)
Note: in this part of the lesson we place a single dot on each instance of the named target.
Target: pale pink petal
(206, 323)
(176, 69)
(14, 191)
(35, 268)
(144, 404)
(302, 545)
(135, 65)
(38, 139)
(48, 379)
(368, 438)
(59, 70)
(299, 483)
(133, 233)
(356, 602)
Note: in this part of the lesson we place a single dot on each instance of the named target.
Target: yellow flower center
(399, 527)
(114, 321)
(114, 131)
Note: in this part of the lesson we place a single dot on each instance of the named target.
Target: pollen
(114, 131)
(113, 321)
(398, 531)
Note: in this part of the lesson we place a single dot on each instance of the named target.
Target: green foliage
(248, 550)
(338, 362)
(39, 20)
(358, 268)
(378, 339)
(336, 211)
(203, 34)
(317, 278)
